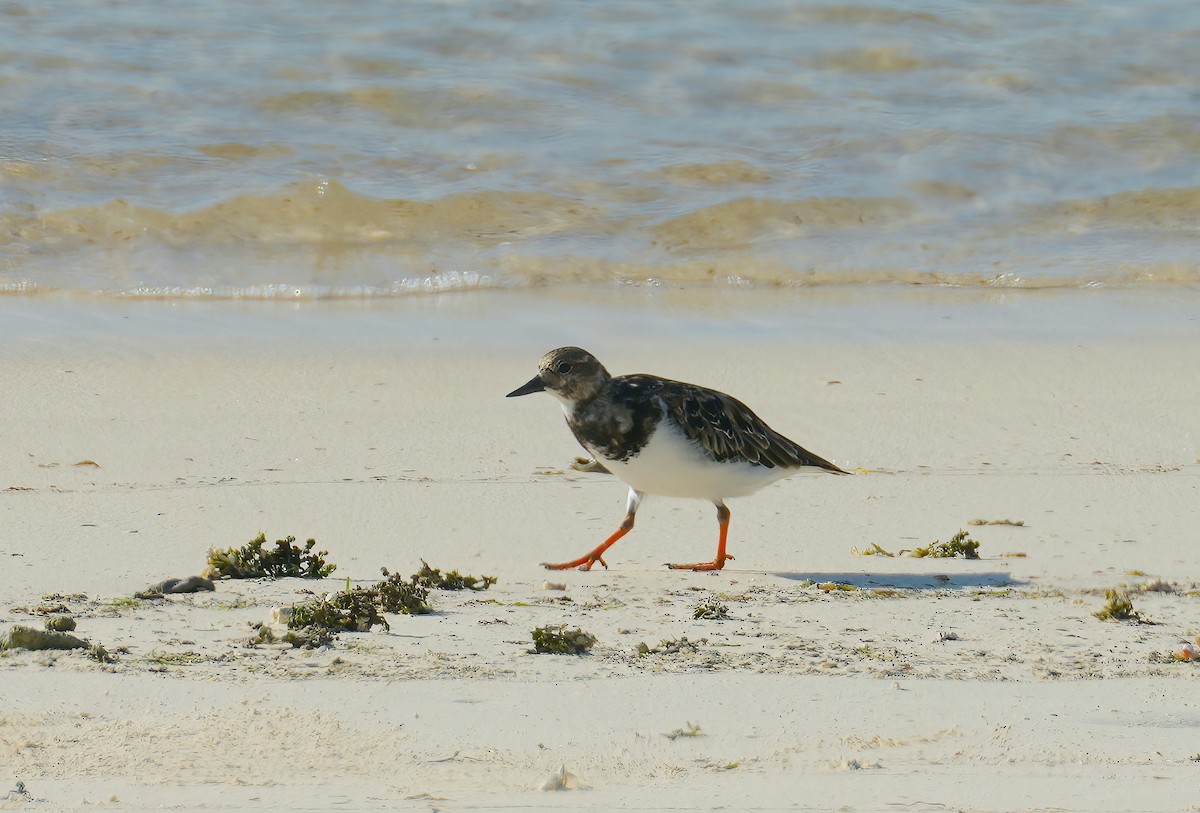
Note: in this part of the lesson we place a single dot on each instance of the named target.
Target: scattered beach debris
(1118, 607)
(65, 597)
(187, 657)
(19, 794)
(960, 544)
(315, 622)
(86, 464)
(191, 584)
(944, 636)
(60, 623)
(432, 577)
(22, 637)
(670, 646)
(829, 587)
(1016, 523)
(1157, 586)
(562, 780)
(689, 730)
(710, 609)
(47, 607)
(425, 796)
(558, 639)
(554, 585)
(307, 638)
(116, 605)
(251, 561)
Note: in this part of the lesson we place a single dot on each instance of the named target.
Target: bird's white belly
(673, 466)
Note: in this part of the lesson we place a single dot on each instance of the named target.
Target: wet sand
(984, 685)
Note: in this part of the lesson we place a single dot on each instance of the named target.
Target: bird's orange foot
(583, 563)
(700, 566)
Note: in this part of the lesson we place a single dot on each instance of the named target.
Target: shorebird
(668, 438)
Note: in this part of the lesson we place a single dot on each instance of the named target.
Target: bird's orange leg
(722, 556)
(586, 561)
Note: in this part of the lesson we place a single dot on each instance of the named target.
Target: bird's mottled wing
(729, 430)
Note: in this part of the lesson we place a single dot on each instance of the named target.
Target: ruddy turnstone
(665, 437)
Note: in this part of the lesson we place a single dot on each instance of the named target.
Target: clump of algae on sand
(315, 622)
(559, 639)
(960, 544)
(710, 609)
(1118, 607)
(255, 560)
(432, 577)
(23, 637)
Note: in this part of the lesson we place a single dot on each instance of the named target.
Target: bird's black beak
(536, 384)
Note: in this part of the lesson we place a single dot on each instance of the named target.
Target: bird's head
(570, 374)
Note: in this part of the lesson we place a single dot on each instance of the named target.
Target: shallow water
(308, 150)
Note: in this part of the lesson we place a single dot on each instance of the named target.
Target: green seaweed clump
(22, 637)
(397, 595)
(557, 639)
(710, 610)
(313, 623)
(254, 560)
(60, 623)
(353, 610)
(1118, 607)
(959, 545)
(434, 578)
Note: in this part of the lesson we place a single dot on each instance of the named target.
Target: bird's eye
(563, 368)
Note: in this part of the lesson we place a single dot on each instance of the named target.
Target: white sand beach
(837, 682)
(271, 268)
